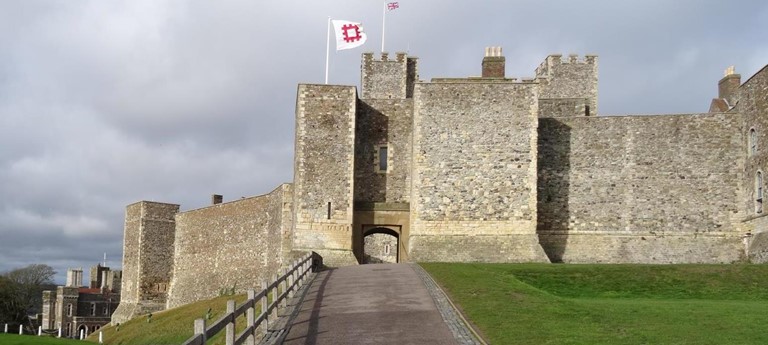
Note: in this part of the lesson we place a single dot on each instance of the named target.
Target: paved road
(369, 304)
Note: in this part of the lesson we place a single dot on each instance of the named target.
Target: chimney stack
(727, 86)
(216, 199)
(493, 63)
(74, 277)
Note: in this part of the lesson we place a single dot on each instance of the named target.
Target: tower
(567, 88)
(147, 258)
(323, 171)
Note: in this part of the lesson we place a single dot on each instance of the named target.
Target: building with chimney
(74, 308)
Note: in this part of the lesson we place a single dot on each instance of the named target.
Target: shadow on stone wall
(553, 186)
(371, 130)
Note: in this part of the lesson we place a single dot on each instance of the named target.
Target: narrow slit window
(752, 142)
(329, 210)
(759, 192)
(93, 309)
(382, 158)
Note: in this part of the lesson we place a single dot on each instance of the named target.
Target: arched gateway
(380, 245)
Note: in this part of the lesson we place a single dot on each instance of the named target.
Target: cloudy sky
(104, 103)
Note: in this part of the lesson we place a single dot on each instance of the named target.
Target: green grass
(611, 304)
(15, 339)
(172, 326)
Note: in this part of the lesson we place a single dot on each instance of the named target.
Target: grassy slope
(611, 304)
(172, 326)
(15, 339)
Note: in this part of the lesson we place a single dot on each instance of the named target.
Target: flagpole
(383, 22)
(327, 48)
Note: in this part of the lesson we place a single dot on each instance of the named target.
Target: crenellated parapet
(386, 78)
(568, 84)
(547, 66)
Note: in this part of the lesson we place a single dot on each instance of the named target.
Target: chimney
(493, 63)
(216, 199)
(74, 277)
(727, 86)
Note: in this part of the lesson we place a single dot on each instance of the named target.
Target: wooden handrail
(290, 280)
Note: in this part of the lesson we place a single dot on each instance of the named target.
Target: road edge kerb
(440, 298)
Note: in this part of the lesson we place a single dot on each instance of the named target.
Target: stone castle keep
(478, 169)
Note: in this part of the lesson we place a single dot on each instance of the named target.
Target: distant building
(74, 307)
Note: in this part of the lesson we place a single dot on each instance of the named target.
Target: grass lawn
(611, 304)
(172, 326)
(15, 339)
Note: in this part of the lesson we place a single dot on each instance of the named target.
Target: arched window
(69, 309)
(752, 142)
(759, 192)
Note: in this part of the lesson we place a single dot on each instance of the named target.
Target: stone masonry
(477, 169)
(208, 263)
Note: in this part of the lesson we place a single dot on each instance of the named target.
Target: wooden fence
(283, 286)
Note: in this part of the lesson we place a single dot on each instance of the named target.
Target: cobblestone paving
(450, 315)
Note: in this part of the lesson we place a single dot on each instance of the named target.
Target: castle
(478, 169)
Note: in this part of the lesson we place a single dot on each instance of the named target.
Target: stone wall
(147, 258)
(574, 78)
(383, 123)
(474, 172)
(380, 248)
(387, 79)
(563, 107)
(324, 171)
(751, 99)
(230, 245)
(644, 189)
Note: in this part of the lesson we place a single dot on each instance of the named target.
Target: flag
(348, 34)
(393, 6)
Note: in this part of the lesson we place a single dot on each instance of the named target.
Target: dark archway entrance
(380, 245)
(83, 329)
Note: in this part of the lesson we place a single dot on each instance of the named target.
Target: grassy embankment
(611, 304)
(172, 326)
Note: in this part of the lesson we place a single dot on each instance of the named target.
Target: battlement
(386, 78)
(384, 57)
(481, 80)
(545, 68)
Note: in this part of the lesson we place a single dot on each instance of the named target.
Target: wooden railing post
(275, 294)
(284, 283)
(250, 317)
(230, 336)
(265, 305)
(200, 328)
(291, 280)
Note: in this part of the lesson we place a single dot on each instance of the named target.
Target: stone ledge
(382, 206)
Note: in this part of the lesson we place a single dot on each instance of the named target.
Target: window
(752, 142)
(93, 309)
(69, 309)
(759, 192)
(329, 210)
(382, 158)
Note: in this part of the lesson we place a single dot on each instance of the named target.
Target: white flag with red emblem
(391, 6)
(348, 34)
